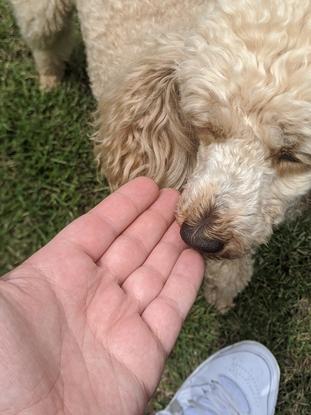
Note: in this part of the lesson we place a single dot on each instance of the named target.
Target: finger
(134, 245)
(168, 311)
(145, 283)
(94, 232)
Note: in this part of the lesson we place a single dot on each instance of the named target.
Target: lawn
(48, 177)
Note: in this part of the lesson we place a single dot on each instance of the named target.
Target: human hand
(87, 322)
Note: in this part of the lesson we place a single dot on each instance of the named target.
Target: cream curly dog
(211, 97)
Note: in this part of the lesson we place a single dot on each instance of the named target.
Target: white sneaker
(242, 379)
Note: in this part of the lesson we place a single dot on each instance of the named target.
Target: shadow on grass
(76, 68)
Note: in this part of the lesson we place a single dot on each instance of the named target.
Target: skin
(87, 322)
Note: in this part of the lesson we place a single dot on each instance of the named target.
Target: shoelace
(215, 398)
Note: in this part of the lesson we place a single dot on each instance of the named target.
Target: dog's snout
(194, 237)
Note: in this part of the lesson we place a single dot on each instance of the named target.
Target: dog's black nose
(194, 237)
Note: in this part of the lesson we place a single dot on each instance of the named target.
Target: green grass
(48, 177)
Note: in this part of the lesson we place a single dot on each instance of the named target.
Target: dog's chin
(229, 255)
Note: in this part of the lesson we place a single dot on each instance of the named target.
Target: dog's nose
(194, 237)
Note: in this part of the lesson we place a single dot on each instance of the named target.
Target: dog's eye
(288, 156)
(286, 162)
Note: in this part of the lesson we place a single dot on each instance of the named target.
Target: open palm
(87, 322)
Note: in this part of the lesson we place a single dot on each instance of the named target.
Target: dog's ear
(141, 128)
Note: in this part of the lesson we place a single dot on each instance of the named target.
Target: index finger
(97, 229)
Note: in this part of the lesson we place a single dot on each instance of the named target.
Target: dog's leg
(46, 27)
(224, 279)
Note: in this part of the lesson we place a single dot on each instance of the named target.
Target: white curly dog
(212, 97)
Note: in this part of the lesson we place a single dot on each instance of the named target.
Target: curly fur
(145, 114)
(212, 97)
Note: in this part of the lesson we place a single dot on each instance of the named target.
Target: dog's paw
(49, 82)
(218, 298)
